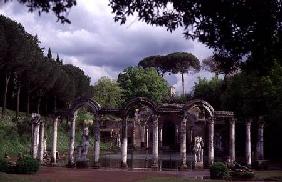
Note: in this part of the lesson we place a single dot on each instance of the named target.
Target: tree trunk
(183, 91)
(7, 79)
(38, 105)
(27, 105)
(55, 104)
(46, 104)
(18, 101)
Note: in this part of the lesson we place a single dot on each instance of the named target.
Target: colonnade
(38, 141)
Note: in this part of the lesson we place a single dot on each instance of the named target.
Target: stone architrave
(54, 141)
(155, 142)
(211, 141)
(248, 143)
(71, 161)
(232, 140)
(183, 147)
(124, 145)
(97, 144)
(40, 152)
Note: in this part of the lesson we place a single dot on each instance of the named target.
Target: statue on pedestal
(199, 151)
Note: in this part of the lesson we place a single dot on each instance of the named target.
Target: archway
(94, 108)
(140, 125)
(200, 126)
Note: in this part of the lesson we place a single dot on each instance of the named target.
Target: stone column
(124, 144)
(260, 142)
(155, 142)
(176, 134)
(161, 136)
(71, 161)
(136, 120)
(183, 124)
(40, 152)
(35, 138)
(97, 144)
(248, 143)
(147, 138)
(232, 140)
(54, 142)
(211, 141)
(143, 131)
(85, 142)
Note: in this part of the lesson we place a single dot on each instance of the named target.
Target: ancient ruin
(192, 134)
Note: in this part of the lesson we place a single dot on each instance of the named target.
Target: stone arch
(93, 105)
(94, 109)
(198, 102)
(140, 101)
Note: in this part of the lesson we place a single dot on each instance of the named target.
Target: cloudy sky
(101, 47)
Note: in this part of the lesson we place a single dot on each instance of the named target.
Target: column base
(71, 165)
(53, 164)
(183, 167)
(155, 167)
(96, 165)
(123, 165)
(199, 165)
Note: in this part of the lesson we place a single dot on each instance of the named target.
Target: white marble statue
(198, 149)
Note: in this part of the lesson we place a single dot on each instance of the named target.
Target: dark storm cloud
(94, 42)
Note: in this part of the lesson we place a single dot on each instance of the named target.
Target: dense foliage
(249, 96)
(27, 165)
(140, 82)
(247, 29)
(219, 171)
(59, 7)
(29, 79)
(108, 93)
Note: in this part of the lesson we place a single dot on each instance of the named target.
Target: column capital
(232, 120)
(210, 120)
(155, 117)
(249, 122)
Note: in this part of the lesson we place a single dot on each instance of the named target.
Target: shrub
(3, 165)
(219, 171)
(81, 164)
(27, 165)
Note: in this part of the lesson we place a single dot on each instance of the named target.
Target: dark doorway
(169, 135)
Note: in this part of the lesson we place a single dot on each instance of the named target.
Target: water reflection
(135, 160)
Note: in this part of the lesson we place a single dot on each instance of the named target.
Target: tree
(210, 91)
(221, 63)
(59, 7)
(108, 93)
(156, 62)
(178, 62)
(26, 76)
(250, 29)
(182, 62)
(49, 54)
(140, 82)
